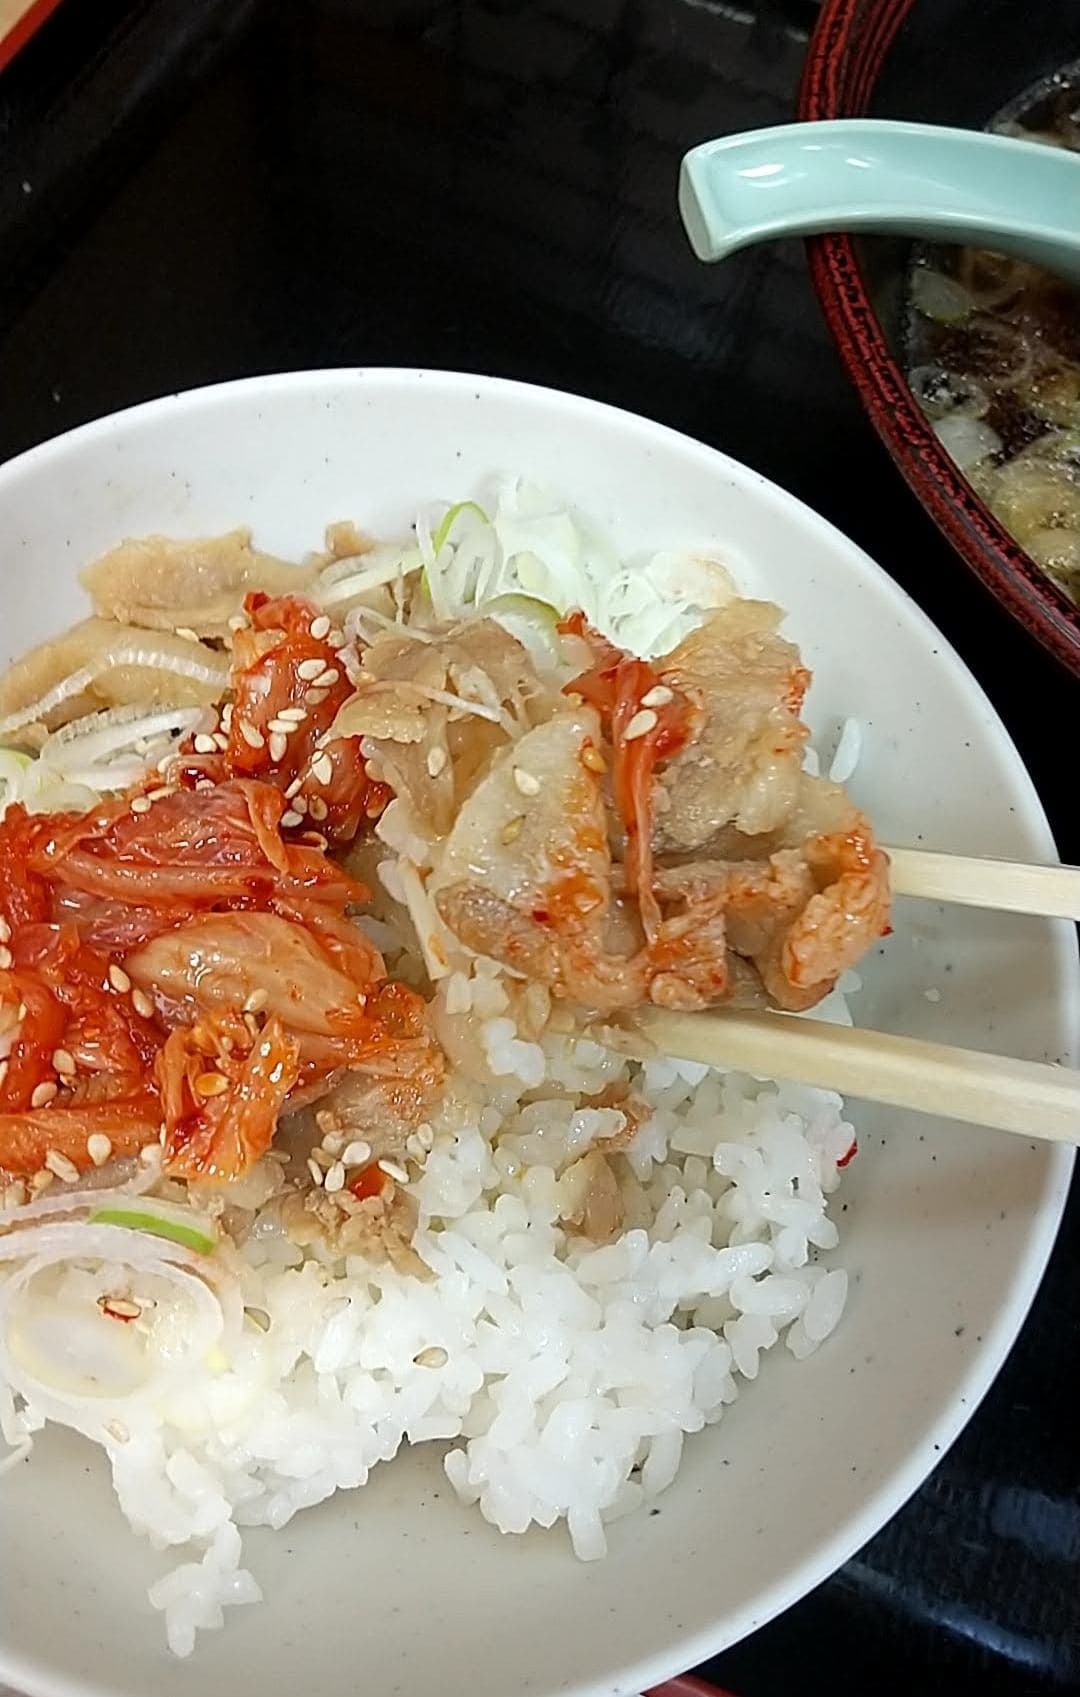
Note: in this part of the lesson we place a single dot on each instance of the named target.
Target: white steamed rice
(563, 1377)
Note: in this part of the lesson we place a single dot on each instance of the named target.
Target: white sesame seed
(283, 727)
(5, 931)
(433, 1356)
(297, 714)
(314, 697)
(187, 633)
(322, 769)
(315, 838)
(150, 1155)
(204, 744)
(414, 1148)
(436, 760)
(3, 1070)
(293, 789)
(204, 784)
(119, 979)
(256, 1001)
(300, 804)
(45, 1092)
(308, 669)
(59, 1164)
(658, 696)
(251, 736)
(640, 725)
(162, 791)
(335, 1178)
(425, 1134)
(315, 1170)
(317, 808)
(117, 1430)
(120, 1307)
(290, 818)
(15, 1194)
(279, 747)
(337, 639)
(392, 1170)
(326, 679)
(142, 1004)
(99, 1148)
(221, 741)
(238, 622)
(6, 957)
(320, 627)
(526, 782)
(226, 716)
(41, 1179)
(63, 1062)
(357, 1153)
(141, 804)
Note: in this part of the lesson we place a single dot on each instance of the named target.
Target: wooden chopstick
(1031, 1098)
(1052, 892)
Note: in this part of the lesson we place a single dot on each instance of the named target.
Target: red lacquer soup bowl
(946, 62)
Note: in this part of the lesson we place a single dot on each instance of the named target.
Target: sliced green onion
(533, 622)
(137, 1220)
(938, 297)
(450, 518)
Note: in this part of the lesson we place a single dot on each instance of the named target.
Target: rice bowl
(748, 529)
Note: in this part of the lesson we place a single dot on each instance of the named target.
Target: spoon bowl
(922, 181)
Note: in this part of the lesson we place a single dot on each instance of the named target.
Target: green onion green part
(189, 1237)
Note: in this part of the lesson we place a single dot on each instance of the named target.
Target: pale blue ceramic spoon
(919, 180)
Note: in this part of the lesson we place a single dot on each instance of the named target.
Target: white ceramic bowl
(946, 1229)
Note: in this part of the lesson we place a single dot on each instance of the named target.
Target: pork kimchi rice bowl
(328, 894)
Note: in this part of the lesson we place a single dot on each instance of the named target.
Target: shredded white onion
(356, 616)
(99, 735)
(426, 922)
(848, 751)
(153, 659)
(98, 754)
(382, 565)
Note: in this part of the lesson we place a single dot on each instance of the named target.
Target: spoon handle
(916, 180)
